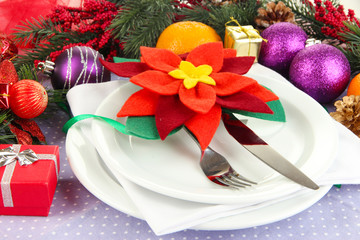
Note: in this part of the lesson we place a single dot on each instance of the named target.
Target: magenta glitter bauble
(78, 65)
(284, 41)
(322, 71)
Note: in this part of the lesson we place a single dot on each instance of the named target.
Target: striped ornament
(28, 99)
(78, 65)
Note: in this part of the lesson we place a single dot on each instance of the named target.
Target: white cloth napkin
(166, 214)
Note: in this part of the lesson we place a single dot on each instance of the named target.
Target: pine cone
(348, 113)
(274, 13)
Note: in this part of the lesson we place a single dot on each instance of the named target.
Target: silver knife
(259, 148)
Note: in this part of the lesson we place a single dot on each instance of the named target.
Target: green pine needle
(6, 136)
(27, 71)
(217, 16)
(352, 48)
(140, 23)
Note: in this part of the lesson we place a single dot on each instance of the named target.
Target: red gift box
(29, 190)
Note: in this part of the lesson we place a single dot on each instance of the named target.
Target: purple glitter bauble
(284, 41)
(78, 65)
(322, 71)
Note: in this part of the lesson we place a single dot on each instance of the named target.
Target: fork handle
(193, 137)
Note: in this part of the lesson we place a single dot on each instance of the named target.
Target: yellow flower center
(192, 75)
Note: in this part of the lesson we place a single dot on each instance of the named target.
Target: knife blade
(263, 151)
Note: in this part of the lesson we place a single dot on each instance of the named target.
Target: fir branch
(305, 18)
(46, 37)
(352, 48)
(27, 71)
(36, 30)
(6, 136)
(217, 16)
(353, 35)
(140, 23)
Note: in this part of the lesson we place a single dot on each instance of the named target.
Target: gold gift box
(245, 39)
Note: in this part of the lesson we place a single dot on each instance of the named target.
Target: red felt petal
(204, 126)
(125, 69)
(229, 53)
(261, 92)
(141, 103)
(230, 83)
(160, 59)
(238, 65)
(183, 56)
(159, 82)
(200, 98)
(244, 101)
(170, 114)
(209, 53)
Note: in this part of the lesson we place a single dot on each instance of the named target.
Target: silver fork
(217, 168)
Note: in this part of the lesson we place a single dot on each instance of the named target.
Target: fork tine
(241, 178)
(234, 178)
(227, 182)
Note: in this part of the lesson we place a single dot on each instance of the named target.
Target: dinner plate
(171, 167)
(93, 174)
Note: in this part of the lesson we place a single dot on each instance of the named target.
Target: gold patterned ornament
(244, 39)
(274, 13)
(348, 113)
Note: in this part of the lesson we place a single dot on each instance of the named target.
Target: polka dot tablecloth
(77, 214)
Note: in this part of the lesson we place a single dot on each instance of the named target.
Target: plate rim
(234, 222)
(180, 194)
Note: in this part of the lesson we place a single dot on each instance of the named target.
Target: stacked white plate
(308, 139)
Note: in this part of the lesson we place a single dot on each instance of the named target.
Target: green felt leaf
(144, 127)
(276, 107)
(121, 60)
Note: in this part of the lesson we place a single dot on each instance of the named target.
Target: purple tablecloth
(77, 214)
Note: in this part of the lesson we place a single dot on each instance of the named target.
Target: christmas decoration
(284, 41)
(323, 20)
(8, 72)
(348, 113)
(39, 176)
(4, 96)
(7, 48)
(274, 13)
(26, 131)
(244, 39)
(78, 65)
(67, 27)
(320, 70)
(176, 93)
(216, 16)
(28, 99)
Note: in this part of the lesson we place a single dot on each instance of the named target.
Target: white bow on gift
(26, 157)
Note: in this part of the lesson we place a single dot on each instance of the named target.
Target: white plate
(91, 171)
(308, 139)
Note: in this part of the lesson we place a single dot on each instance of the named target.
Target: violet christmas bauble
(284, 41)
(78, 65)
(322, 71)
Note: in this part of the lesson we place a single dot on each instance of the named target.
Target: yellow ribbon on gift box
(248, 31)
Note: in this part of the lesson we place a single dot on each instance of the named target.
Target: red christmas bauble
(28, 98)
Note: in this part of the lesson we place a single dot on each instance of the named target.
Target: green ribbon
(115, 124)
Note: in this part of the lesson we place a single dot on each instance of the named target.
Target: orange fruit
(354, 86)
(182, 37)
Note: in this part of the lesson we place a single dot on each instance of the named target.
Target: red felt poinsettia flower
(191, 90)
